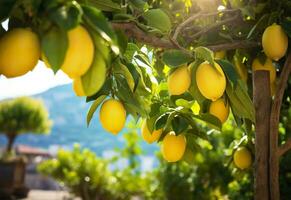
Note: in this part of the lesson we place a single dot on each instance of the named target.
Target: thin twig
(284, 148)
(241, 44)
(213, 26)
(198, 15)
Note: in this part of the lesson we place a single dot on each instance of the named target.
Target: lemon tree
(178, 64)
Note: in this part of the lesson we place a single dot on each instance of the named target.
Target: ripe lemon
(80, 53)
(173, 147)
(179, 81)
(19, 52)
(241, 69)
(275, 42)
(78, 87)
(210, 82)
(219, 55)
(147, 136)
(242, 158)
(219, 109)
(112, 116)
(267, 66)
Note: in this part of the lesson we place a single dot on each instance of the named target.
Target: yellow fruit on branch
(211, 81)
(19, 52)
(179, 81)
(275, 42)
(147, 135)
(219, 109)
(78, 87)
(257, 65)
(112, 116)
(242, 158)
(80, 53)
(173, 147)
(219, 54)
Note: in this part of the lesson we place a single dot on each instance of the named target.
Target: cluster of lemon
(20, 51)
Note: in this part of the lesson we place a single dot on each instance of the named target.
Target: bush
(82, 172)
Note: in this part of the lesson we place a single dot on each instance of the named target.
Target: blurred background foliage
(206, 174)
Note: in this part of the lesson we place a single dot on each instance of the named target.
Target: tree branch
(276, 107)
(284, 148)
(131, 30)
(275, 152)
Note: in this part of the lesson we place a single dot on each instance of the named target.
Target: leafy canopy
(23, 115)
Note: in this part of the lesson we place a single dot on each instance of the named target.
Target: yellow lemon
(211, 82)
(19, 52)
(241, 69)
(242, 158)
(80, 53)
(219, 55)
(173, 147)
(78, 87)
(179, 81)
(267, 66)
(275, 42)
(219, 109)
(147, 136)
(112, 116)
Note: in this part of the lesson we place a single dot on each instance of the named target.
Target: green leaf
(94, 78)
(229, 71)
(105, 5)
(5, 8)
(262, 21)
(94, 107)
(125, 94)
(105, 90)
(179, 124)
(54, 44)
(122, 41)
(99, 23)
(143, 58)
(240, 102)
(139, 4)
(175, 58)
(204, 54)
(286, 24)
(134, 73)
(158, 19)
(212, 121)
(161, 121)
(130, 51)
(67, 16)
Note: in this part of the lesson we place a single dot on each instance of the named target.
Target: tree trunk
(262, 103)
(11, 138)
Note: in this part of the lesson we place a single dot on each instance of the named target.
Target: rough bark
(262, 103)
(274, 127)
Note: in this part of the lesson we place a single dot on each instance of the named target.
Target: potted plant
(18, 116)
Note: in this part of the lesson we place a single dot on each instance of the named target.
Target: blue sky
(39, 80)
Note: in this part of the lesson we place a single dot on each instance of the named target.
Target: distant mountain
(68, 113)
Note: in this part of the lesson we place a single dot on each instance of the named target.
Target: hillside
(68, 113)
